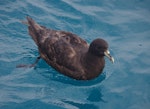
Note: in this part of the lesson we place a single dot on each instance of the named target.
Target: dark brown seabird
(68, 53)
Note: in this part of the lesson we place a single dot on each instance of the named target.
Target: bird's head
(99, 47)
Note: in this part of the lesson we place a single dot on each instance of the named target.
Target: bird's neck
(93, 64)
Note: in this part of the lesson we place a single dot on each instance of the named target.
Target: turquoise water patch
(122, 85)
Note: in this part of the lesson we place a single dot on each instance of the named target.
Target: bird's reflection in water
(95, 96)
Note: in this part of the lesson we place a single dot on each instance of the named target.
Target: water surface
(123, 85)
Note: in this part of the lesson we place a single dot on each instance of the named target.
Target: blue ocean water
(123, 85)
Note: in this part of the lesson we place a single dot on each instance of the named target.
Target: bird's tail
(34, 29)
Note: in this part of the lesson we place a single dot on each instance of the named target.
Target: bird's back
(62, 50)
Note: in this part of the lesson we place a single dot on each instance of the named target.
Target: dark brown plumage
(68, 53)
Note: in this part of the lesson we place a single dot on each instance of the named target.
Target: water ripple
(124, 24)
